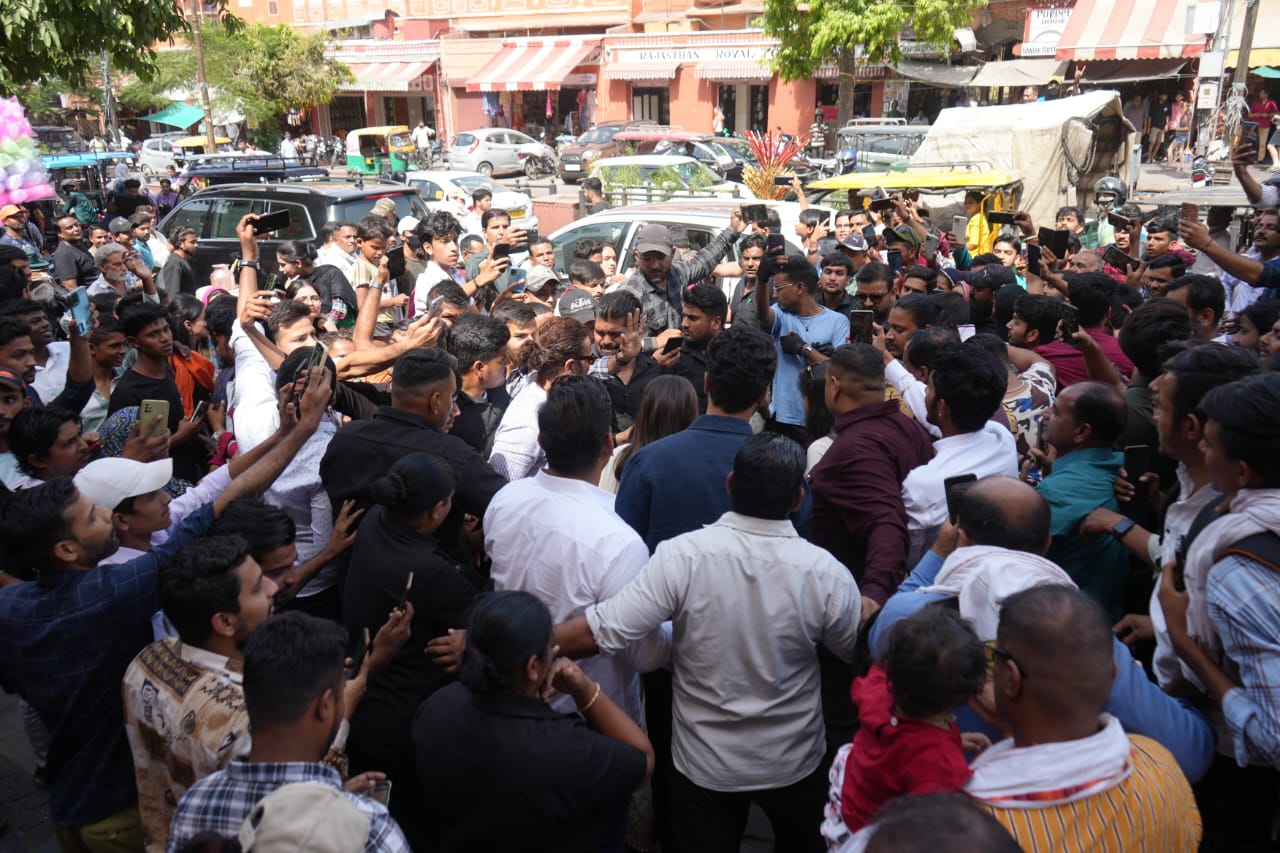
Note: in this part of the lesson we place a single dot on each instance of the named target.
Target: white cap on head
(408, 223)
(305, 816)
(109, 481)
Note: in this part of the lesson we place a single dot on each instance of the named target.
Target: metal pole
(108, 102)
(1246, 43)
(202, 81)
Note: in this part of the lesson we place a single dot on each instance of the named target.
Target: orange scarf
(190, 371)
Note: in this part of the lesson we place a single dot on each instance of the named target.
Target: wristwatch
(805, 350)
(253, 264)
(1122, 527)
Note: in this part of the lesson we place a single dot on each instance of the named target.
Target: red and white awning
(532, 64)
(388, 76)
(1129, 29)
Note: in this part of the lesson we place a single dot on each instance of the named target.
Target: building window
(273, 8)
(651, 105)
(347, 113)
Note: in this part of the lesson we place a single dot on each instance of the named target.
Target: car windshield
(740, 147)
(463, 139)
(353, 210)
(724, 150)
(471, 183)
(600, 134)
(519, 138)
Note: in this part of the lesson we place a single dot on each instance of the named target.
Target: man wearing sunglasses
(875, 290)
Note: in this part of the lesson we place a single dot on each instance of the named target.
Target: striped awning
(532, 64)
(642, 70)
(733, 71)
(1129, 29)
(388, 76)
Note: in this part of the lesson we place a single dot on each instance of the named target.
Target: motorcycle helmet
(1110, 193)
(848, 156)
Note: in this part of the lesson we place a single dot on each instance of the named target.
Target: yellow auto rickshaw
(378, 150)
(190, 147)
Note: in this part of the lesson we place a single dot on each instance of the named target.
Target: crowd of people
(899, 537)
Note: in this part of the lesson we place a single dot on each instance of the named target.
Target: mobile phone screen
(959, 224)
(869, 234)
(395, 262)
(500, 251)
(860, 326)
(880, 205)
(1070, 321)
(996, 217)
(782, 180)
(672, 344)
(276, 220)
(81, 310)
(895, 261)
(1137, 461)
(1118, 221)
(775, 244)
(954, 489)
(754, 213)
(1033, 259)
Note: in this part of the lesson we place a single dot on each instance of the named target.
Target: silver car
(495, 151)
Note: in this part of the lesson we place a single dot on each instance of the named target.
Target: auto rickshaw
(187, 147)
(379, 150)
(94, 171)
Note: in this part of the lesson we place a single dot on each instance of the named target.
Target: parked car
(708, 150)
(592, 145)
(214, 213)
(438, 185)
(495, 151)
(56, 138)
(235, 169)
(657, 177)
(879, 146)
(701, 220)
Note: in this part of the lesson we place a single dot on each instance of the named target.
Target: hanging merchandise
(22, 174)
(550, 110)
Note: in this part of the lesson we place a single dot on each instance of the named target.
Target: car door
(505, 159)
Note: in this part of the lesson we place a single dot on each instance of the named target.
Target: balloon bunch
(22, 174)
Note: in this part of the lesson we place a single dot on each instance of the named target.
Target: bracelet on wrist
(587, 707)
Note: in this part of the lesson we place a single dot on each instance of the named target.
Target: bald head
(1086, 260)
(1005, 513)
(938, 823)
(1062, 643)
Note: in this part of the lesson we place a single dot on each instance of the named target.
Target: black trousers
(705, 821)
(1237, 805)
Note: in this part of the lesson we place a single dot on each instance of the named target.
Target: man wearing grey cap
(659, 281)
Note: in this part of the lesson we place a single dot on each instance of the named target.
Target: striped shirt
(1153, 810)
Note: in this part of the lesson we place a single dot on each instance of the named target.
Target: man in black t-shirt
(177, 275)
(126, 203)
(151, 378)
(1158, 119)
(72, 265)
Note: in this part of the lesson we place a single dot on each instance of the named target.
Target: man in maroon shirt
(857, 487)
(1092, 295)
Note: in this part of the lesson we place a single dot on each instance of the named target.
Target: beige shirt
(185, 717)
(749, 601)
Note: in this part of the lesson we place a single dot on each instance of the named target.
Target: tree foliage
(821, 31)
(64, 38)
(257, 69)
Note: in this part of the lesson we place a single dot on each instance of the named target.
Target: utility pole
(202, 81)
(1246, 42)
(108, 101)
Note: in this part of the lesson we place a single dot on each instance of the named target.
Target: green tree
(65, 38)
(259, 70)
(822, 31)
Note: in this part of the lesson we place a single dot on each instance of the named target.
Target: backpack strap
(1262, 548)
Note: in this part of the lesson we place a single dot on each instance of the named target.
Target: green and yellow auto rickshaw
(378, 150)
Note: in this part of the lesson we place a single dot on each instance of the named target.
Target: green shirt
(1081, 482)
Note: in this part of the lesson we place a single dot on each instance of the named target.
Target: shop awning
(937, 73)
(1019, 72)
(1129, 29)
(388, 76)
(1132, 70)
(177, 115)
(642, 70)
(1265, 48)
(864, 72)
(739, 71)
(532, 64)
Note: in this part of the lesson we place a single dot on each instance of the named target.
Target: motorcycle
(538, 160)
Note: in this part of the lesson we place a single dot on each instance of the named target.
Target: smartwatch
(1122, 527)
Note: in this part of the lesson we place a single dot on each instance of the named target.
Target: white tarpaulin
(1046, 143)
(1019, 72)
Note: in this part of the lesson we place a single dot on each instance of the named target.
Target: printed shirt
(185, 717)
(220, 803)
(1028, 402)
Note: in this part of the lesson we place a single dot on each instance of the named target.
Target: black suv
(217, 170)
(215, 212)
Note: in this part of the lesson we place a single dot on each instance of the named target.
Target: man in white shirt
(749, 601)
(288, 150)
(339, 249)
(966, 387)
(555, 534)
(421, 136)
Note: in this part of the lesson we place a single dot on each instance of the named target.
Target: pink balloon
(40, 191)
(18, 196)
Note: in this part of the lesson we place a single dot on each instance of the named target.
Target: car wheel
(148, 172)
(530, 168)
(485, 169)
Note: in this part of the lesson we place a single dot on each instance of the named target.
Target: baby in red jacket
(908, 741)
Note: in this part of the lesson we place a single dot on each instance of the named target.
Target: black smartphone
(954, 489)
(1249, 134)
(276, 220)
(880, 205)
(1137, 461)
(757, 213)
(1124, 223)
(860, 326)
(775, 244)
(1033, 259)
(999, 217)
(672, 344)
(358, 654)
(1070, 323)
(198, 412)
(395, 262)
(1188, 211)
(783, 180)
(318, 356)
(381, 791)
(272, 282)
(500, 251)
(869, 234)
(1055, 241)
(895, 261)
(435, 307)
(1119, 259)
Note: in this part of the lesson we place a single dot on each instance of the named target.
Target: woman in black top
(501, 770)
(395, 540)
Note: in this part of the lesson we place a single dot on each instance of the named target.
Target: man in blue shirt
(1082, 425)
(1002, 513)
(798, 324)
(67, 637)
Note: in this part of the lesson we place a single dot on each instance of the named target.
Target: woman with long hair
(339, 302)
(501, 770)
(193, 371)
(667, 406)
